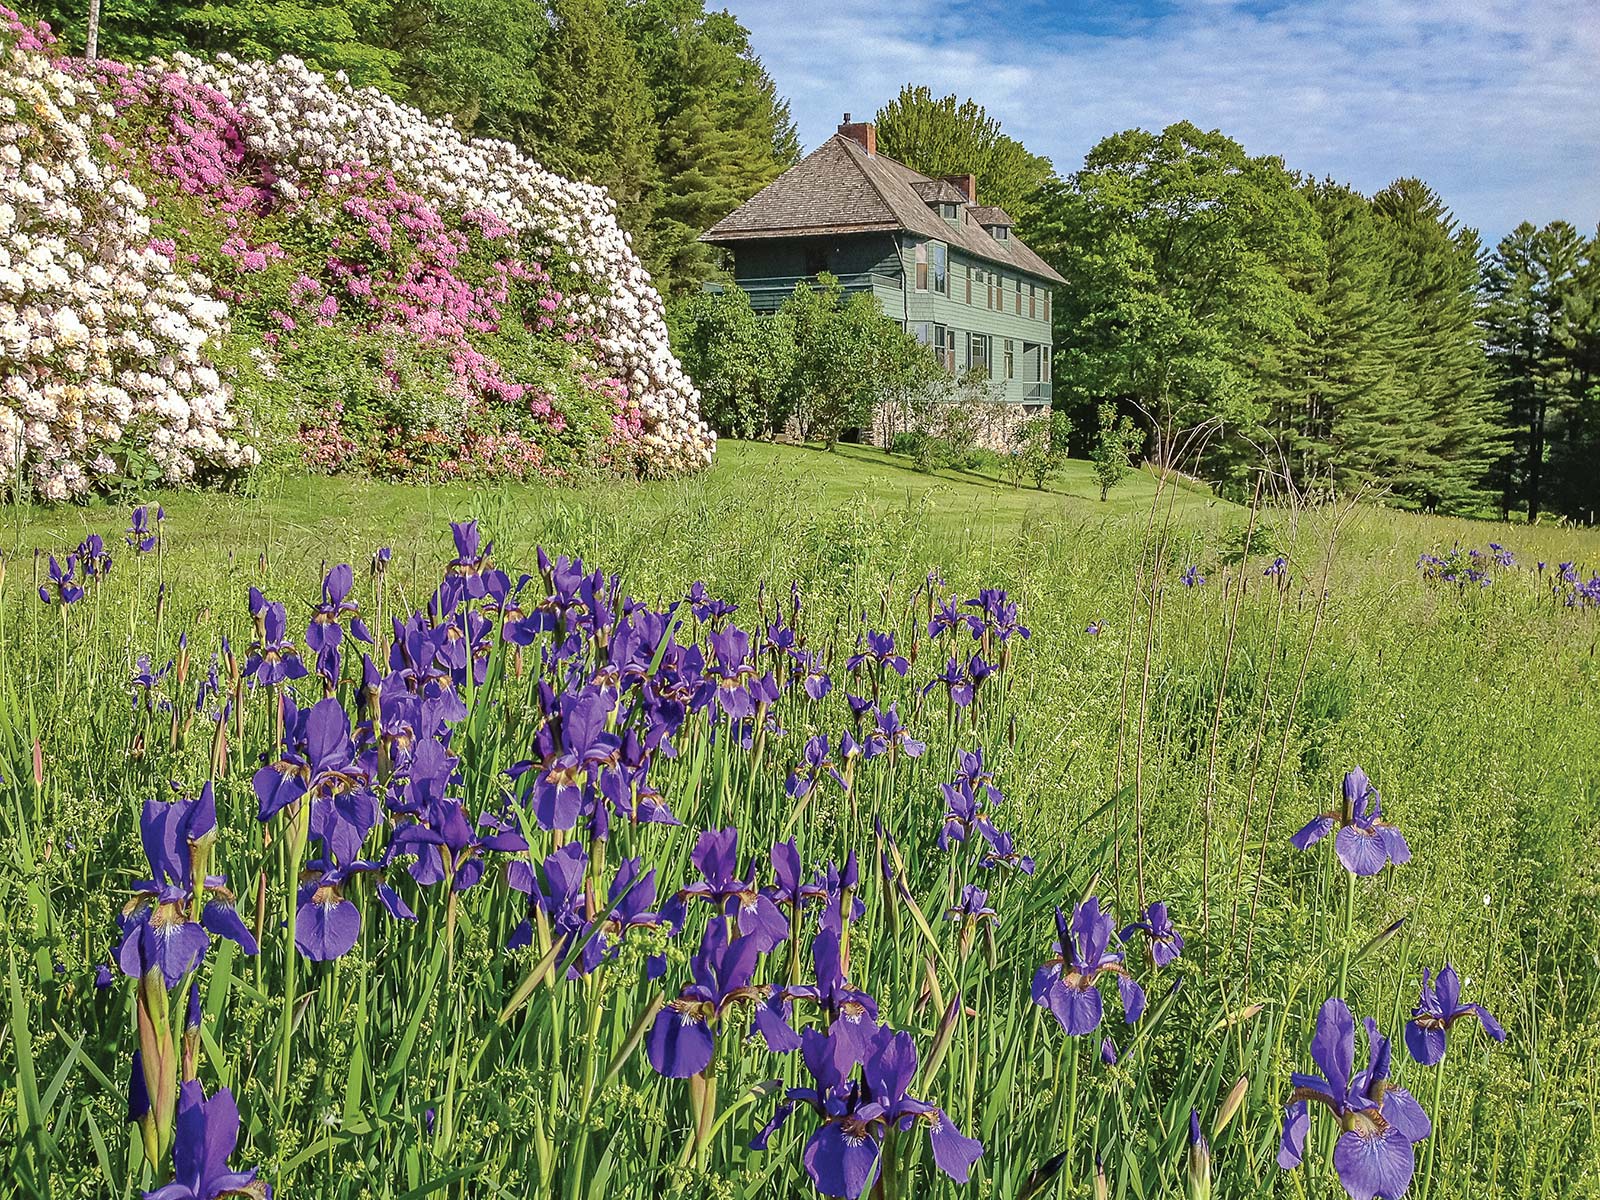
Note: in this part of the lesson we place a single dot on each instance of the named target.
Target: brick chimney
(967, 185)
(864, 132)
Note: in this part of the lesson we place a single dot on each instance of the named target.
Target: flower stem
(1437, 1113)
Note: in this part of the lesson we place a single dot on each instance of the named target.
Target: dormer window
(999, 232)
(950, 212)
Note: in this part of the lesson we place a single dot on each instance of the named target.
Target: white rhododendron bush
(204, 262)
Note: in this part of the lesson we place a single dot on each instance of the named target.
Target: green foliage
(402, 1082)
(1183, 257)
(472, 61)
(941, 136)
(1434, 274)
(594, 118)
(1114, 446)
(725, 131)
(1542, 327)
(1042, 446)
(740, 361)
(848, 357)
(331, 35)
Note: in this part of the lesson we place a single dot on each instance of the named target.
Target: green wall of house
(886, 264)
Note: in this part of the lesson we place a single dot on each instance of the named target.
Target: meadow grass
(1169, 757)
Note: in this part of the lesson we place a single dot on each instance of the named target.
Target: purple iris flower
(159, 929)
(1192, 577)
(957, 687)
(204, 1138)
(1278, 569)
(970, 770)
(334, 773)
(560, 894)
(892, 735)
(961, 813)
(273, 658)
(144, 532)
(93, 557)
(580, 749)
(850, 1011)
(63, 585)
(1366, 843)
(842, 1153)
(880, 653)
(730, 675)
(1437, 1010)
(472, 556)
(326, 629)
(809, 773)
(1066, 983)
(996, 617)
(1002, 851)
(683, 1039)
(1380, 1123)
(816, 683)
(973, 906)
(628, 902)
(327, 924)
(833, 884)
(716, 857)
(1166, 943)
(947, 617)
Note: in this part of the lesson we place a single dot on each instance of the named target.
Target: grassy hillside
(1169, 756)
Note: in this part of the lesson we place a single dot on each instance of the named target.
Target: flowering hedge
(207, 261)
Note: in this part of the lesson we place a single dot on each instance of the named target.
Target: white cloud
(1493, 103)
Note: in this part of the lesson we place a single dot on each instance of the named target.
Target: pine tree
(1346, 422)
(1529, 286)
(1443, 378)
(722, 124)
(594, 120)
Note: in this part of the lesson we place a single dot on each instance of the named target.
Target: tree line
(1348, 339)
(664, 102)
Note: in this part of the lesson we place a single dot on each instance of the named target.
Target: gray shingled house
(946, 267)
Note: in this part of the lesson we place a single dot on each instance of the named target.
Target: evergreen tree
(723, 128)
(471, 61)
(594, 119)
(1530, 326)
(1344, 421)
(944, 136)
(1443, 379)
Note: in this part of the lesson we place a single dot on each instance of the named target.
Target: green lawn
(1170, 756)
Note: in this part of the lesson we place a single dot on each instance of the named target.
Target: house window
(1011, 359)
(1047, 295)
(922, 266)
(938, 267)
(978, 353)
(944, 347)
(969, 285)
(1019, 297)
(922, 331)
(995, 284)
(950, 212)
(1033, 302)
(1044, 364)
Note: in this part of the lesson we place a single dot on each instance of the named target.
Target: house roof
(943, 190)
(839, 188)
(991, 214)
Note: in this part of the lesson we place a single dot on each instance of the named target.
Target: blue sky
(1497, 105)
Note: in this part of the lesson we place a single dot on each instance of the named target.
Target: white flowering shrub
(383, 295)
(102, 337)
